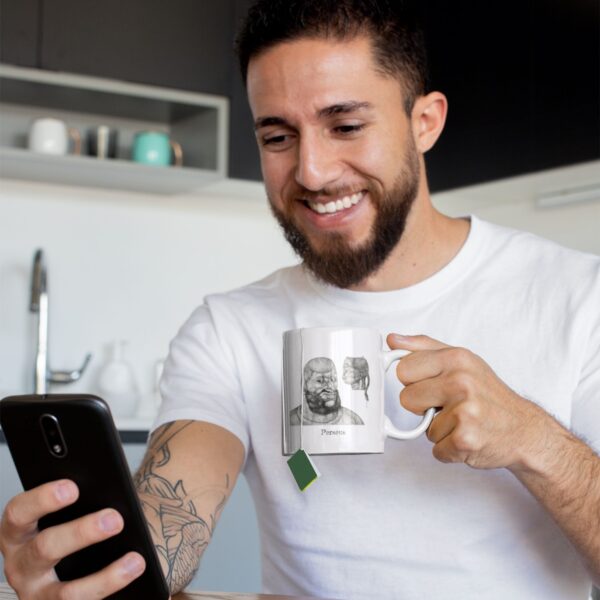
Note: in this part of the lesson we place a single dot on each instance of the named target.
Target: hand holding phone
(79, 524)
(30, 556)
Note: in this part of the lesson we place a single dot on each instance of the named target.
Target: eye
(349, 129)
(277, 141)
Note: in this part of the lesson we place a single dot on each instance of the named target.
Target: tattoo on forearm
(183, 534)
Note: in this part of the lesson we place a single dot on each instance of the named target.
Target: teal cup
(156, 148)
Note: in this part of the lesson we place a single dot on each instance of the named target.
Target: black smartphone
(73, 436)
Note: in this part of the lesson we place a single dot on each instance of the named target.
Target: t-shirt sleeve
(585, 419)
(200, 381)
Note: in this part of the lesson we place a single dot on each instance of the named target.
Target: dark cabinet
(523, 84)
(20, 31)
(245, 162)
(184, 44)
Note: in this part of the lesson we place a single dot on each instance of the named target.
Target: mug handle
(177, 153)
(390, 430)
(76, 137)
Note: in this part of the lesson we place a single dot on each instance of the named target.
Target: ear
(428, 119)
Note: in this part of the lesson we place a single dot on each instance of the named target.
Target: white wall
(121, 266)
(511, 202)
(132, 266)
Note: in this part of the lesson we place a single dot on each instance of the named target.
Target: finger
(446, 451)
(419, 366)
(109, 580)
(425, 364)
(414, 342)
(442, 425)
(22, 512)
(422, 395)
(54, 543)
(425, 360)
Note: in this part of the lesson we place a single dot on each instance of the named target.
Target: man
(321, 399)
(500, 343)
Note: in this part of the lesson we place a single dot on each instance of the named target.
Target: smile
(335, 206)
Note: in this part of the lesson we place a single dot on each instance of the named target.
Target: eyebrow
(328, 111)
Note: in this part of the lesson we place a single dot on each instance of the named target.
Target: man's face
(321, 392)
(338, 157)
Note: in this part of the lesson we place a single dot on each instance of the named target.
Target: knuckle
(406, 398)
(41, 547)
(438, 454)
(460, 384)
(471, 410)
(12, 513)
(67, 591)
(464, 441)
(401, 372)
(11, 573)
(420, 338)
(84, 531)
(462, 357)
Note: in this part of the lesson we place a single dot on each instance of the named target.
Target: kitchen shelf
(199, 122)
(16, 163)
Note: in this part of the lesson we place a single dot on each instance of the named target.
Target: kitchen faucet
(39, 306)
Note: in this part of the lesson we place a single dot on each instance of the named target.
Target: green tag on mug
(303, 469)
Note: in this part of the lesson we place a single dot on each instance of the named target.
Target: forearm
(181, 514)
(563, 474)
(179, 536)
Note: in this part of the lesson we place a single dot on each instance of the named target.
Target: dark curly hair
(398, 42)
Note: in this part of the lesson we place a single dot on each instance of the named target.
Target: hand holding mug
(325, 415)
(482, 422)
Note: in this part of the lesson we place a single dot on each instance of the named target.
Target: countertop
(131, 431)
(6, 593)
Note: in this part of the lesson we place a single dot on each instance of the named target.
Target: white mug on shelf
(51, 136)
(333, 392)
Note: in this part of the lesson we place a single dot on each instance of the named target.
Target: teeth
(336, 205)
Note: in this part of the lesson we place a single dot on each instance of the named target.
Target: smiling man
(340, 159)
(503, 329)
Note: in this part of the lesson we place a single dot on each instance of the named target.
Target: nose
(318, 165)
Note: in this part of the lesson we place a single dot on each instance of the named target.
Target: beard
(316, 401)
(339, 263)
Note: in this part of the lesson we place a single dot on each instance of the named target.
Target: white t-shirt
(401, 524)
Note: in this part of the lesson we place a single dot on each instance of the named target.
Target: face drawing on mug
(321, 399)
(356, 373)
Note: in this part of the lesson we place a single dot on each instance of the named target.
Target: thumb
(413, 342)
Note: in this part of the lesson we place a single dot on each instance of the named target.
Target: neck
(429, 242)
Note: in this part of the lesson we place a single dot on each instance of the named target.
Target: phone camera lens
(53, 436)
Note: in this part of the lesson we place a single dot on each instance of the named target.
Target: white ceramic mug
(51, 136)
(333, 392)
